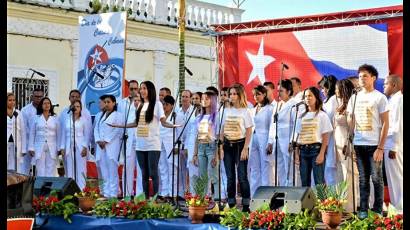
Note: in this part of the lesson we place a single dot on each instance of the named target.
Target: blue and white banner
(101, 57)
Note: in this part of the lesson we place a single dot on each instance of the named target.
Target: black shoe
(245, 208)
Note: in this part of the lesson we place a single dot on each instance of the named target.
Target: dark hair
(38, 89)
(102, 98)
(199, 94)
(269, 84)
(169, 99)
(74, 91)
(287, 84)
(353, 77)
(113, 100)
(165, 89)
(369, 68)
(345, 87)
(212, 88)
(40, 106)
(297, 80)
(81, 105)
(152, 99)
(225, 89)
(319, 104)
(328, 82)
(132, 81)
(263, 90)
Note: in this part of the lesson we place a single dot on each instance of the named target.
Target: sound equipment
(63, 186)
(19, 195)
(295, 198)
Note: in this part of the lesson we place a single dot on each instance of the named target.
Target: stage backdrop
(252, 59)
(101, 57)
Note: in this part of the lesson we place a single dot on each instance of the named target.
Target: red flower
(379, 228)
(387, 221)
(397, 225)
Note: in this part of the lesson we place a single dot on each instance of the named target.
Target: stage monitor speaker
(295, 198)
(63, 185)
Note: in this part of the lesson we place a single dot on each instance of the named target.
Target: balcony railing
(199, 15)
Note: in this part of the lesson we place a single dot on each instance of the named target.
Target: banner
(101, 57)
(309, 54)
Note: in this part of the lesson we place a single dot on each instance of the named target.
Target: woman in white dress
(43, 139)
(15, 137)
(78, 172)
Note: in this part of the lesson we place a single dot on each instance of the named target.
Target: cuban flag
(309, 54)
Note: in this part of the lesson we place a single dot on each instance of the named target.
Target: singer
(261, 162)
(43, 139)
(81, 145)
(15, 136)
(235, 135)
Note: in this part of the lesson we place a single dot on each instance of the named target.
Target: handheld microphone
(285, 66)
(39, 73)
(299, 103)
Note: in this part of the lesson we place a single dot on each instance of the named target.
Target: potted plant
(87, 198)
(199, 202)
(330, 202)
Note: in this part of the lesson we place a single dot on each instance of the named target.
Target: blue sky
(270, 9)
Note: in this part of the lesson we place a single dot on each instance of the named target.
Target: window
(23, 87)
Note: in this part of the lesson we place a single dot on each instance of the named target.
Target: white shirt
(311, 127)
(394, 139)
(85, 114)
(43, 132)
(285, 120)
(123, 106)
(367, 112)
(262, 119)
(181, 119)
(330, 106)
(299, 96)
(14, 130)
(207, 128)
(235, 123)
(148, 136)
(29, 112)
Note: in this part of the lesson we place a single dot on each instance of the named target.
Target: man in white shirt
(270, 87)
(164, 92)
(393, 152)
(29, 112)
(127, 109)
(74, 95)
(369, 116)
(297, 88)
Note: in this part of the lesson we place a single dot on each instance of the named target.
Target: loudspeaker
(295, 198)
(63, 185)
(19, 195)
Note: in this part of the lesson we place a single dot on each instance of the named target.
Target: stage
(80, 221)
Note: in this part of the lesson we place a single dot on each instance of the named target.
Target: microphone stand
(275, 120)
(218, 149)
(124, 143)
(173, 117)
(293, 143)
(15, 139)
(75, 147)
(350, 148)
(178, 142)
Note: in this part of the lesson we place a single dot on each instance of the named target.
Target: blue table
(80, 221)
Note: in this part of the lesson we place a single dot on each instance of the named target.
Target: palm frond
(320, 191)
(200, 184)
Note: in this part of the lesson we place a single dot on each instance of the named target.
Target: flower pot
(86, 203)
(91, 183)
(331, 219)
(197, 214)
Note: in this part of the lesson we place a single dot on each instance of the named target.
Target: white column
(159, 68)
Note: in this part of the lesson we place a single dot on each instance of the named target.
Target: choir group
(300, 140)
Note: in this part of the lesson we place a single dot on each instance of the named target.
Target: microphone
(299, 103)
(71, 109)
(15, 113)
(357, 89)
(56, 105)
(39, 73)
(285, 66)
(188, 71)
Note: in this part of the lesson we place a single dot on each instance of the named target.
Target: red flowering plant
(264, 219)
(44, 204)
(89, 192)
(199, 199)
(54, 206)
(381, 223)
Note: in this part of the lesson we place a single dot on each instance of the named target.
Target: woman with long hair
(235, 135)
(81, 144)
(43, 139)
(149, 115)
(261, 162)
(108, 140)
(15, 136)
(312, 130)
(328, 85)
(205, 152)
(196, 102)
(344, 90)
(285, 128)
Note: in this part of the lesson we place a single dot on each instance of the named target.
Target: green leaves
(233, 218)
(300, 221)
(200, 184)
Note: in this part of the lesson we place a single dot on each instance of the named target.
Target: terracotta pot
(86, 203)
(197, 214)
(331, 219)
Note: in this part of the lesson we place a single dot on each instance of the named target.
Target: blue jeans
(308, 155)
(148, 162)
(368, 167)
(206, 153)
(232, 162)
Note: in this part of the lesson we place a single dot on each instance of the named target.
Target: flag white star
(96, 56)
(259, 62)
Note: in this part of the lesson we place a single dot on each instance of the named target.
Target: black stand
(275, 120)
(173, 117)
(293, 143)
(219, 158)
(74, 148)
(350, 148)
(124, 144)
(15, 139)
(178, 142)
